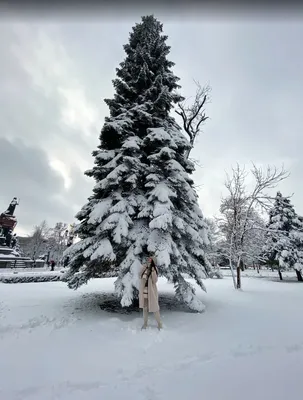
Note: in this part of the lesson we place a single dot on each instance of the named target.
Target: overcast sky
(55, 73)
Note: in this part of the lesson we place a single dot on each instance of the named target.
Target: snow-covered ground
(57, 344)
(24, 275)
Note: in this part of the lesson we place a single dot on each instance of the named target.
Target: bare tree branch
(194, 115)
(240, 208)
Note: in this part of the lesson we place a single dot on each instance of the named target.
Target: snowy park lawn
(59, 344)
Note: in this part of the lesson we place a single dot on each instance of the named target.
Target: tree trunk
(238, 278)
(239, 264)
(280, 275)
(190, 149)
(299, 275)
(232, 273)
(258, 268)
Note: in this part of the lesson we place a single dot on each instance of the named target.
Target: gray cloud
(54, 77)
(25, 173)
(34, 139)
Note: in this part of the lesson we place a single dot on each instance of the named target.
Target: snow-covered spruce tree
(144, 199)
(284, 239)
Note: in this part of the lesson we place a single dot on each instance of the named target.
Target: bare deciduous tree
(212, 250)
(57, 241)
(193, 116)
(239, 209)
(47, 242)
(36, 245)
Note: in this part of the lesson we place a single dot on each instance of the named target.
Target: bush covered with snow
(30, 278)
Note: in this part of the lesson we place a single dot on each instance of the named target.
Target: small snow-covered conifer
(144, 198)
(284, 240)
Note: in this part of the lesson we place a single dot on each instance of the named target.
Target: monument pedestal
(6, 251)
(2, 241)
(6, 256)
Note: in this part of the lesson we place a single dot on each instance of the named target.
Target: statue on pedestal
(8, 222)
(12, 207)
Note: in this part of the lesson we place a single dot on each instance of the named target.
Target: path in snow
(57, 344)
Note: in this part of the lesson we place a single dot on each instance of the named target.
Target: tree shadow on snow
(286, 279)
(88, 306)
(168, 302)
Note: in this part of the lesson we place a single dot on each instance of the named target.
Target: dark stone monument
(11, 208)
(8, 223)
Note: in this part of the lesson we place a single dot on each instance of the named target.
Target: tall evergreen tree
(284, 239)
(144, 199)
